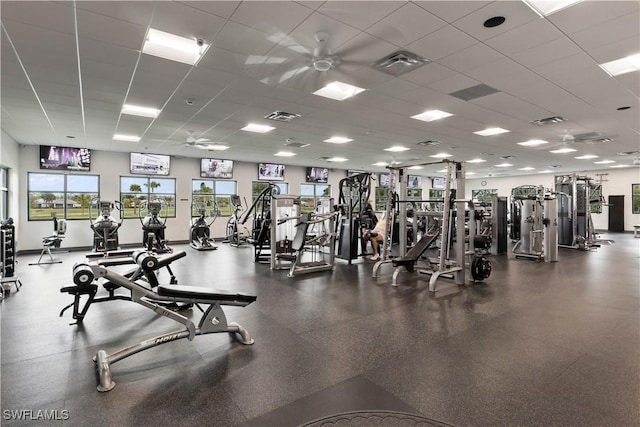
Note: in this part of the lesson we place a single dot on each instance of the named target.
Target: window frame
(305, 198)
(225, 208)
(171, 206)
(65, 194)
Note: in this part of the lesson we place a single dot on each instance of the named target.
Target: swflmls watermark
(35, 414)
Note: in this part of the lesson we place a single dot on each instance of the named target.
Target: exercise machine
(260, 211)
(199, 229)
(354, 192)
(534, 226)
(53, 241)
(234, 237)
(105, 227)
(209, 301)
(312, 247)
(491, 223)
(154, 225)
(8, 258)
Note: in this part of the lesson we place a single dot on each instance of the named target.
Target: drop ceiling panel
(526, 36)
(192, 23)
(576, 68)
(511, 106)
(617, 50)
(272, 17)
(351, 12)
(394, 87)
(339, 33)
(406, 25)
(241, 39)
(56, 16)
(425, 99)
(546, 53)
(441, 43)
(631, 82)
(110, 31)
(517, 13)
(471, 57)
(429, 73)
(135, 12)
(223, 60)
(444, 10)
(591, 13)
(220, 8)
(609, 32)
(607, 93)
(452, 84)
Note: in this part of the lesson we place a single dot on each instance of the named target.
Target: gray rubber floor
(536, 345)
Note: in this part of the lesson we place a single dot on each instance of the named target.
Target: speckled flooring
(536, 345)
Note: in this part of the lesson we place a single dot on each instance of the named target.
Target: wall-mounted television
(65, 158)
(216, 168)
(384, 179)
(414, 181)
(270, 172)
(150, 164)
(438, 183)
(320, 175)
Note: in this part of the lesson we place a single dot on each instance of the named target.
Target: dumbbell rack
(8, 259)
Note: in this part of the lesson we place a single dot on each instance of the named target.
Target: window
(382, 195)
(484, 197)
(635, 198)
(311, 193)
(207, 191)
(4, 193)
(436, 195)
(133, 190)
(414, 194)
(258, 186)
(596, 198)
(67, 196)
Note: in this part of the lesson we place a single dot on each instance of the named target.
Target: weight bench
(109, 259)
(213, 319)
(53, 241)
(413, 255)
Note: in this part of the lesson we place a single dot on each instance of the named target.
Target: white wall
(10, 158)
(617, 182)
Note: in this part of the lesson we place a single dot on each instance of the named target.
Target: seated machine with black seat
(52, 241)
(213, 319)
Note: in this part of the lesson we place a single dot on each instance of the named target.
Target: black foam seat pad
(412, 256)
(201, 293)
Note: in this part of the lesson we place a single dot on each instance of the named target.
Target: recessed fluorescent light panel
(622, 65)
(173, 47)
(338, 140)
(545, 171)
(587, 157)
(491, 131)
(563, 150)
(252, 127)
(397, 148)
(213, 147)
(504, 165)
(476, 161)
(338, 91)
(441, 155)
(533, 143)
(416, 167)
(137, 110)
(618, 166)
(547, 7)
(470, 173)
(285, 154)
(336, 159)
(526, 168)
(431, 115)
(604, 162)
(128, 138)
(380, 164)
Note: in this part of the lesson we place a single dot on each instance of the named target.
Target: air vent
(548, 121)
(629, 153)
(296, 145)
(281, 116)
(429, 143)
(474, 92)
(507, 157)
(399, 63)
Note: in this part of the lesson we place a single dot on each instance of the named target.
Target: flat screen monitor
(414, 181)
(65, 158)
(270, 172)
(384, 180)
(320, 175)
(438, 183)
(150, 164)
(216, 168)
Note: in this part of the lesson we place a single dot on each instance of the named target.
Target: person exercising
(376, 237)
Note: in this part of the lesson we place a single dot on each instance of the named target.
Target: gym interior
(164, 267)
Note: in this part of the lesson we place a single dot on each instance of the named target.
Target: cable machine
(534, 227)
(260, 210)
(354, 193)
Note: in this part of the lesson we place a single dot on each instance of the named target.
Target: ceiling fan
(201, 143)
(569, 138)
(305, 68)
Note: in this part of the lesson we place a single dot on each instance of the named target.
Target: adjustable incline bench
(413, 255)
(213, 319)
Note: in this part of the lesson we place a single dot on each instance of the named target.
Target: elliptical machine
(234, 238)
(153, 226)
(199, 230)
(105, 227)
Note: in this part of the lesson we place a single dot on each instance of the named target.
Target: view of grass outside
(135, 190)
(67, 196)
(213, 195)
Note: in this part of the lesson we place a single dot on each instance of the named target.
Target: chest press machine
(213, 319)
